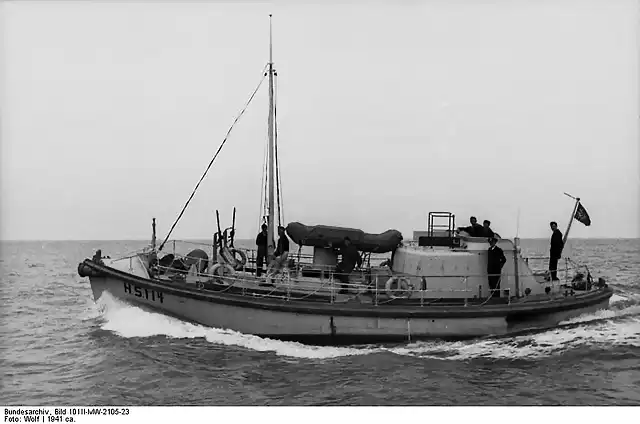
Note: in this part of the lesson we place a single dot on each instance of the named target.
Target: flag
(581, 215)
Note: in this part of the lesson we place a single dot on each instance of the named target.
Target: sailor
(283, 242)
(261, 242)
(282, 251)
(97, 258)
(486, 229)
(153, 262)
(350, 258)
(475, 229)
(555, 252)
(495, 262)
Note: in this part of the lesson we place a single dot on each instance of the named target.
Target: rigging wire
(214, 158)
(275, 125)
(278, 174)
(263, 187)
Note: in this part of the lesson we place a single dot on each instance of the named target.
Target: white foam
(549, 343)
(90, 312)
(617, 299)
(130, 321)
(600, 328)
(604, 314)
(602, 331)
(296, 350)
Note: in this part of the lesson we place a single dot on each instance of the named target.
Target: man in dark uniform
(475, 229)
(486, 229)
(495, 262)
(350, 258)
(555, 252)
(283, 242)
(281, 254)
(97, 258)
(261, 242)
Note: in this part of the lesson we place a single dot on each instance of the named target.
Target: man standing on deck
(282, 252)
(486, 229)
(283, 242)
(475, 229)
(350, 258)
(261, 242)
(495, 262)
(555, 252)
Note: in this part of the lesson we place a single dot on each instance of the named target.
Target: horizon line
(200, 239)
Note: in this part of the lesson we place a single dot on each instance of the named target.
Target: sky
(387, 110)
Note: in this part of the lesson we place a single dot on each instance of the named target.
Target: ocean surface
(59, 347)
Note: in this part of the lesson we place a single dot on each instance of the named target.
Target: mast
(153, 234)
(270, 159)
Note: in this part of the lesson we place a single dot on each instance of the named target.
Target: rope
(263, 188)
(278, 179)
(265, 206)
(214, 158)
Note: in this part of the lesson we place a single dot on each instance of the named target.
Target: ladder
(439, 223)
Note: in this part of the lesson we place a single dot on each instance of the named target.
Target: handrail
(368, 271)
(248, 249)
(289, 285)
(569, 265)
(364, 277)
(358, 274)
(359, 290)
(199, 243)
(129, 255)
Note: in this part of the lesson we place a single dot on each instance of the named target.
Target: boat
(434, 285)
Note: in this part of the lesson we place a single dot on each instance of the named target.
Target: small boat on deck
(433, 286)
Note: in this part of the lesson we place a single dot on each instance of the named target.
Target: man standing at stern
(555, 252)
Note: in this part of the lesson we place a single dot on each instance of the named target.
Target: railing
(291, 283)
(181, 248)
(307, 259)
(332, 289)
(564, 265)
(362, 284)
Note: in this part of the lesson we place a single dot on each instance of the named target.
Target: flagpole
(573, 214)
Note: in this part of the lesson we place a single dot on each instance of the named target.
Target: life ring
(221, 270)
(402, 290)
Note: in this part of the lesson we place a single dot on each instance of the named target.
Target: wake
(618, 326)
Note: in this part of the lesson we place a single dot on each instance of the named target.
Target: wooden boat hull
(336, 323)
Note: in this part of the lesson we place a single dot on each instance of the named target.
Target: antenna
(270, 41)
(518, 223)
